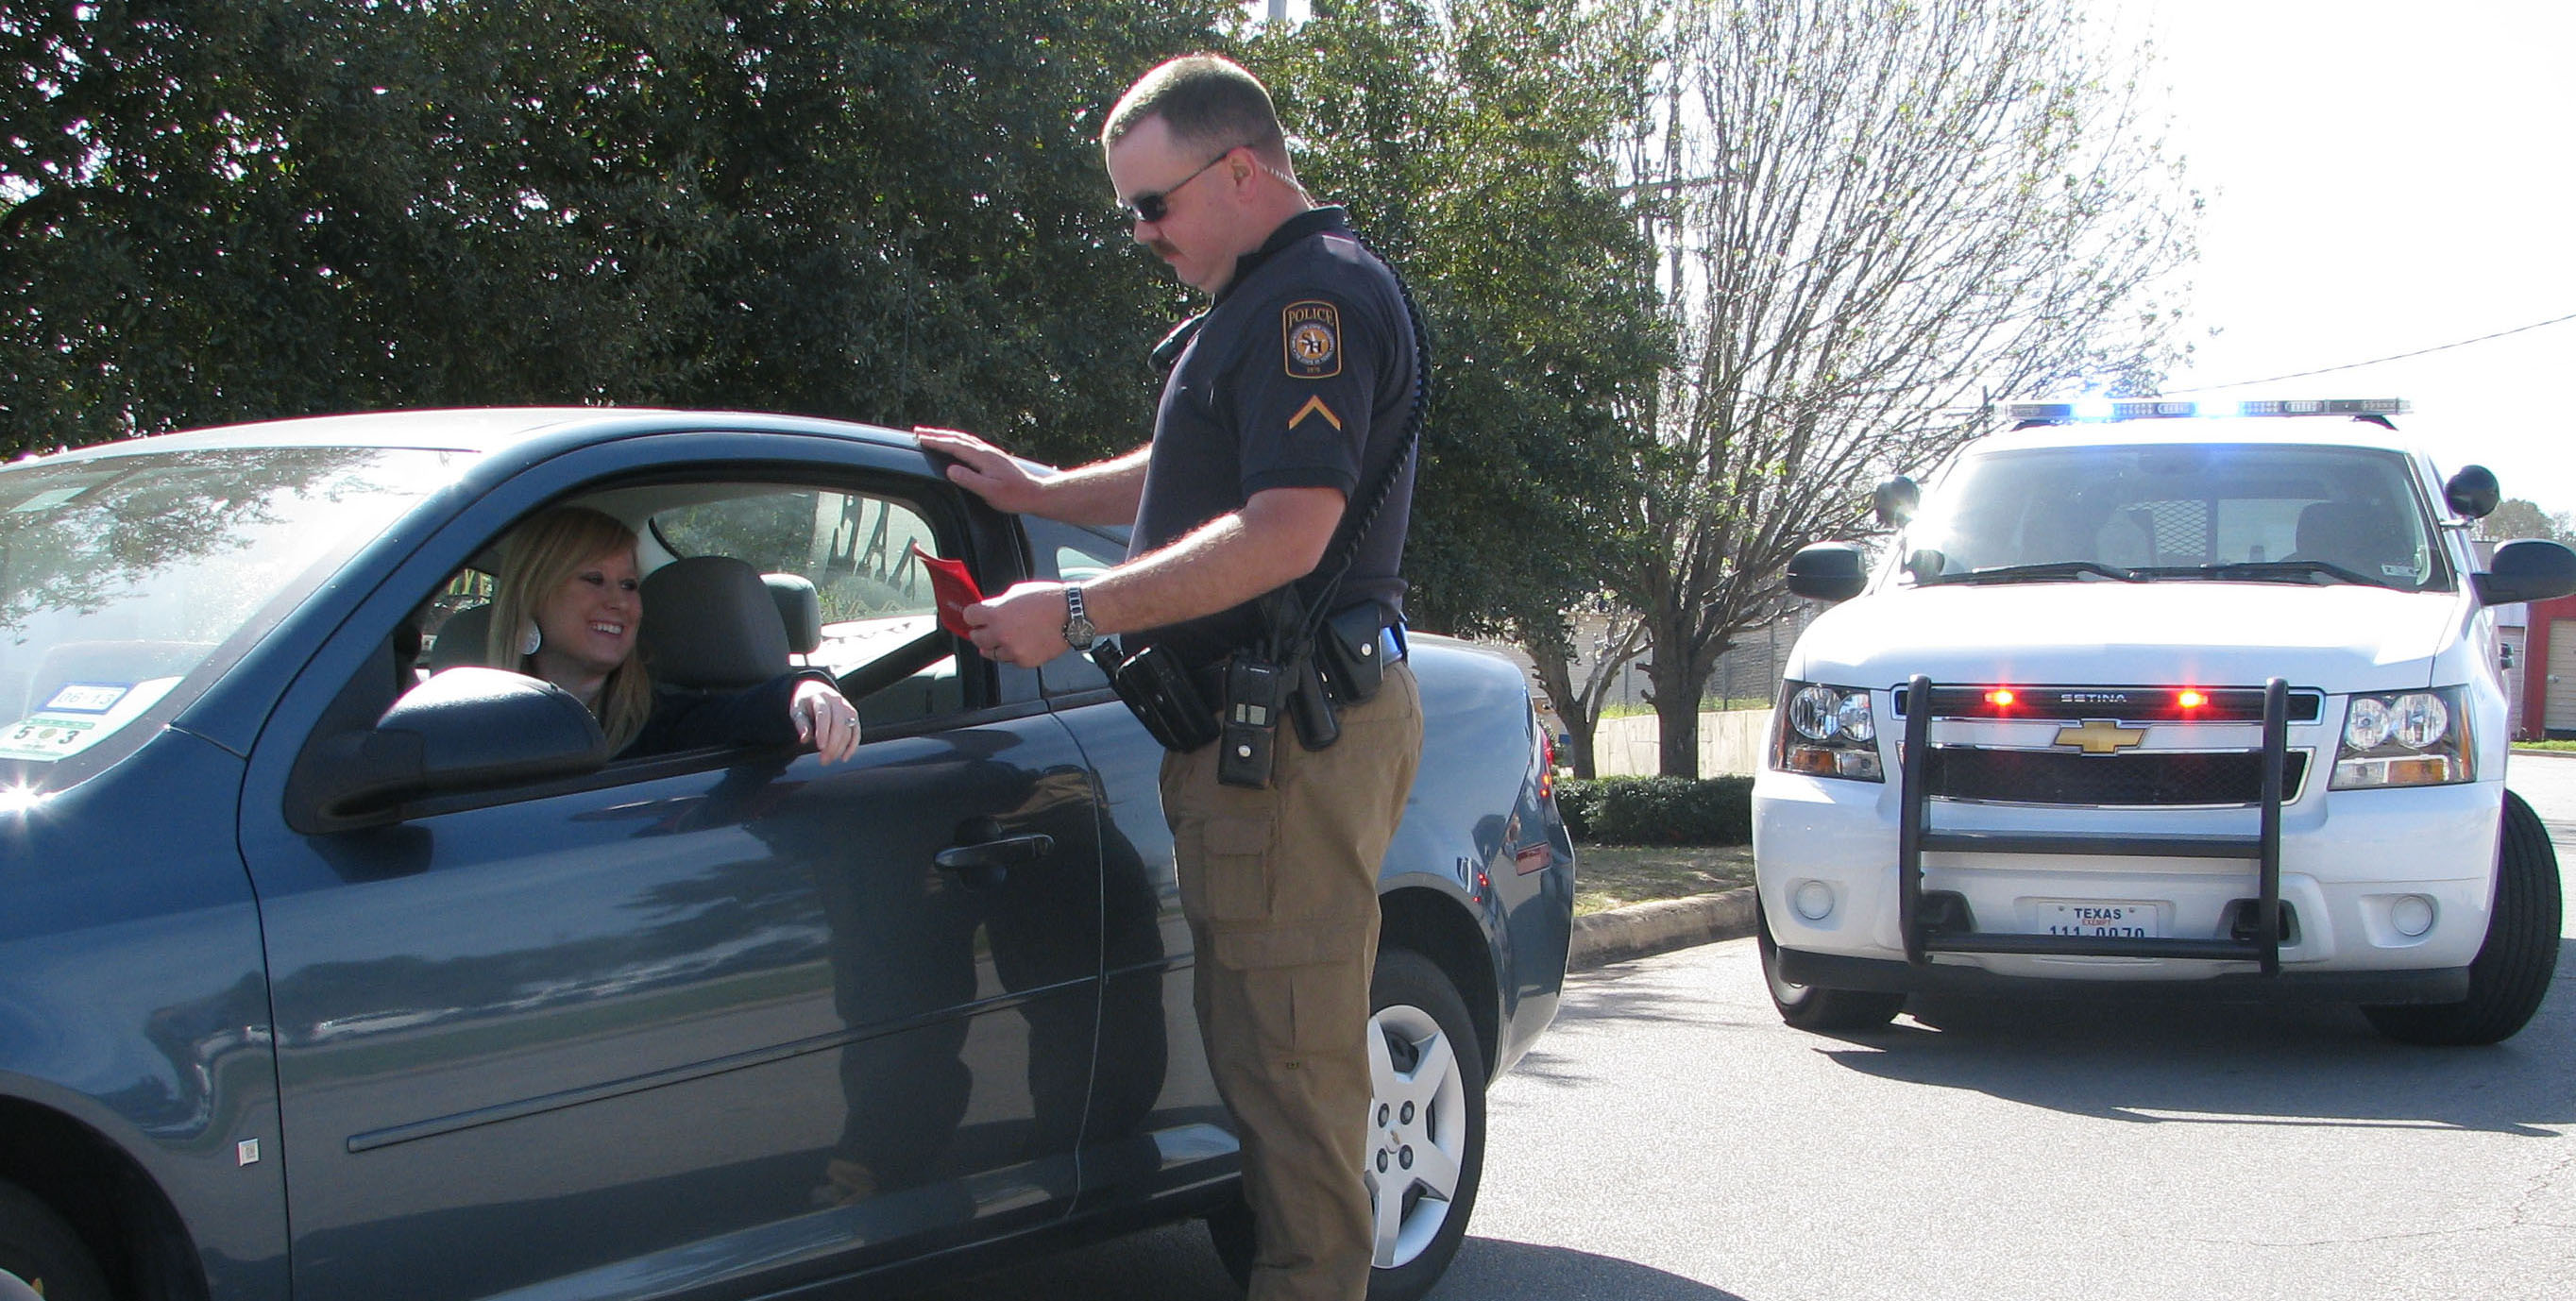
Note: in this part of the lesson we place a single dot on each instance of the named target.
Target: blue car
(330, 971)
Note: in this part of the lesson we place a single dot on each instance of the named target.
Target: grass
(1612, 876)
(2545, 745)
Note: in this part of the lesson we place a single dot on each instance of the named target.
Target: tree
(889, 211)
(1878, 217)
(1471, 141)
(2515, 517)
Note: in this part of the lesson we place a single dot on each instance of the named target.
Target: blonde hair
(539, 556)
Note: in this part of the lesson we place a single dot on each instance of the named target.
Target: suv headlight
(1825, 732)
(2404, 738)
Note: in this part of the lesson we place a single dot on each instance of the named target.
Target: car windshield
(121, 575)
(2250, 512)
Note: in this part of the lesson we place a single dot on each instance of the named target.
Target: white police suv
(2166, 701)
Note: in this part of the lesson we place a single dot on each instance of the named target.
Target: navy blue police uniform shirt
(1300, 377)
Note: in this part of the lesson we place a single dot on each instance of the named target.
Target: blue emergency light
(2164, 409)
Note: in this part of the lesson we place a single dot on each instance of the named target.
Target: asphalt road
(1670, 1140)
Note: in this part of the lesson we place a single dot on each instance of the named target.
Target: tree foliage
(1470, 140)
(2517, 517)
(879, 210)
(1877, 217)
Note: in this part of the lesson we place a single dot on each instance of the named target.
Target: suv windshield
(120, 576)
(2245, 512)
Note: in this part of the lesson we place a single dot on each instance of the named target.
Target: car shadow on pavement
(2184, 1063)
(1495, 1267)
(1174, 1263)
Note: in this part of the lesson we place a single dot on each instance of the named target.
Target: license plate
(2096, 919)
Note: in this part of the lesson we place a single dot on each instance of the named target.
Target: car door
(704, 1019)
(1156, 1124)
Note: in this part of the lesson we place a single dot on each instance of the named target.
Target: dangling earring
(530, 639)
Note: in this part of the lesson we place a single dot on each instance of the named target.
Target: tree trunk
(1677, 713)
(1573, 708)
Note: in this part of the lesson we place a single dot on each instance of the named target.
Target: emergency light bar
(2162, 409)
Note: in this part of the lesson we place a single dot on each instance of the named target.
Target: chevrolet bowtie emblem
(2099, 737)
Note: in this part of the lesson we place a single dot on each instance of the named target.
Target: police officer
(1291, 400)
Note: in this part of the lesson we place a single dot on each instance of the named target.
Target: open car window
(879, 634)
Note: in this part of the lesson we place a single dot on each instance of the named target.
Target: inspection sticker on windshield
(2096, 919)
(77, 716)
(86, 698)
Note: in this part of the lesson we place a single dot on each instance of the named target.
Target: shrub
(1658, 810)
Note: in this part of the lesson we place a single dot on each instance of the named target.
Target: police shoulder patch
(1310, 334)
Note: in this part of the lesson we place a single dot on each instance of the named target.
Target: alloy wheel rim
(1417, 1143)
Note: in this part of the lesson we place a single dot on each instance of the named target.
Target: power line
(2356, 365)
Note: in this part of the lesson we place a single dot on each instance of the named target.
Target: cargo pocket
(1235, 859)
(1300, 1012)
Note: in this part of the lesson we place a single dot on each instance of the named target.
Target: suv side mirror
(464, 729)
(1828, 571)
(2527, 569)
(2473, 492)
(1895, 500)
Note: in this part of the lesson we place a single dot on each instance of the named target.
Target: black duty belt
(1210, 678)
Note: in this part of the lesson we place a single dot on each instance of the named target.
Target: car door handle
(992, 855)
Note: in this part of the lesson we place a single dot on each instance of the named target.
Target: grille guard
(1915, 835)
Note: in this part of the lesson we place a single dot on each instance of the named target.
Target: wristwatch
(1078, 632)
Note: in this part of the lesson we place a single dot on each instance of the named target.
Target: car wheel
(1426, 1131)
(2512, 971)
(1810, 1008)
(41, 1254)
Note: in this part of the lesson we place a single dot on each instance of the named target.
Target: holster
(1158, 691)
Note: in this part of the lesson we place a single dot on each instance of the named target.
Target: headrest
(460, 639)
(709, 624)
(2344, 532)
(800, 608)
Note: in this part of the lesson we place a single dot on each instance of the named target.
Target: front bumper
(1837, 971)
(2342, 866)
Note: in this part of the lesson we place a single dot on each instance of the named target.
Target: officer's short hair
(1203, 99)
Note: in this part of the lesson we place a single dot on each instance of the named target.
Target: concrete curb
(1642, 930)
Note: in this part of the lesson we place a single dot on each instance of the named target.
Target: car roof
(2316, 431)
(475, 429)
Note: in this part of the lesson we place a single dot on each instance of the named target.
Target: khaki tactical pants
(1280, 887)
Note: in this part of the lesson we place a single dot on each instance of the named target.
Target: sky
(2383, 178)
(2380, 178)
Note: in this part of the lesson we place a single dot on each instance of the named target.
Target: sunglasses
(1152, 208)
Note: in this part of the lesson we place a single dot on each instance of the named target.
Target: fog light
(2411, 914)
(1813, 900)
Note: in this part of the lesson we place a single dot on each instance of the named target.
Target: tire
(40, 1252)
(2512, 971)
(1429, 1077)
(1810, 1008)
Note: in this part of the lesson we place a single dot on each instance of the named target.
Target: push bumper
(1837, 971)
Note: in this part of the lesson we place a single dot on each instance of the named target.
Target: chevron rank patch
(1311, 333)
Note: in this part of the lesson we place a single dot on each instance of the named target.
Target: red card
(954, 587)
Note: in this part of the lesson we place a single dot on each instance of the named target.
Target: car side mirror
(1896, 500)
(2472, 493)
(2527, 569)
(1828, 571)
(465, 729)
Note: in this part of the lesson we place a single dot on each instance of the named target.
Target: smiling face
(588, 621)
